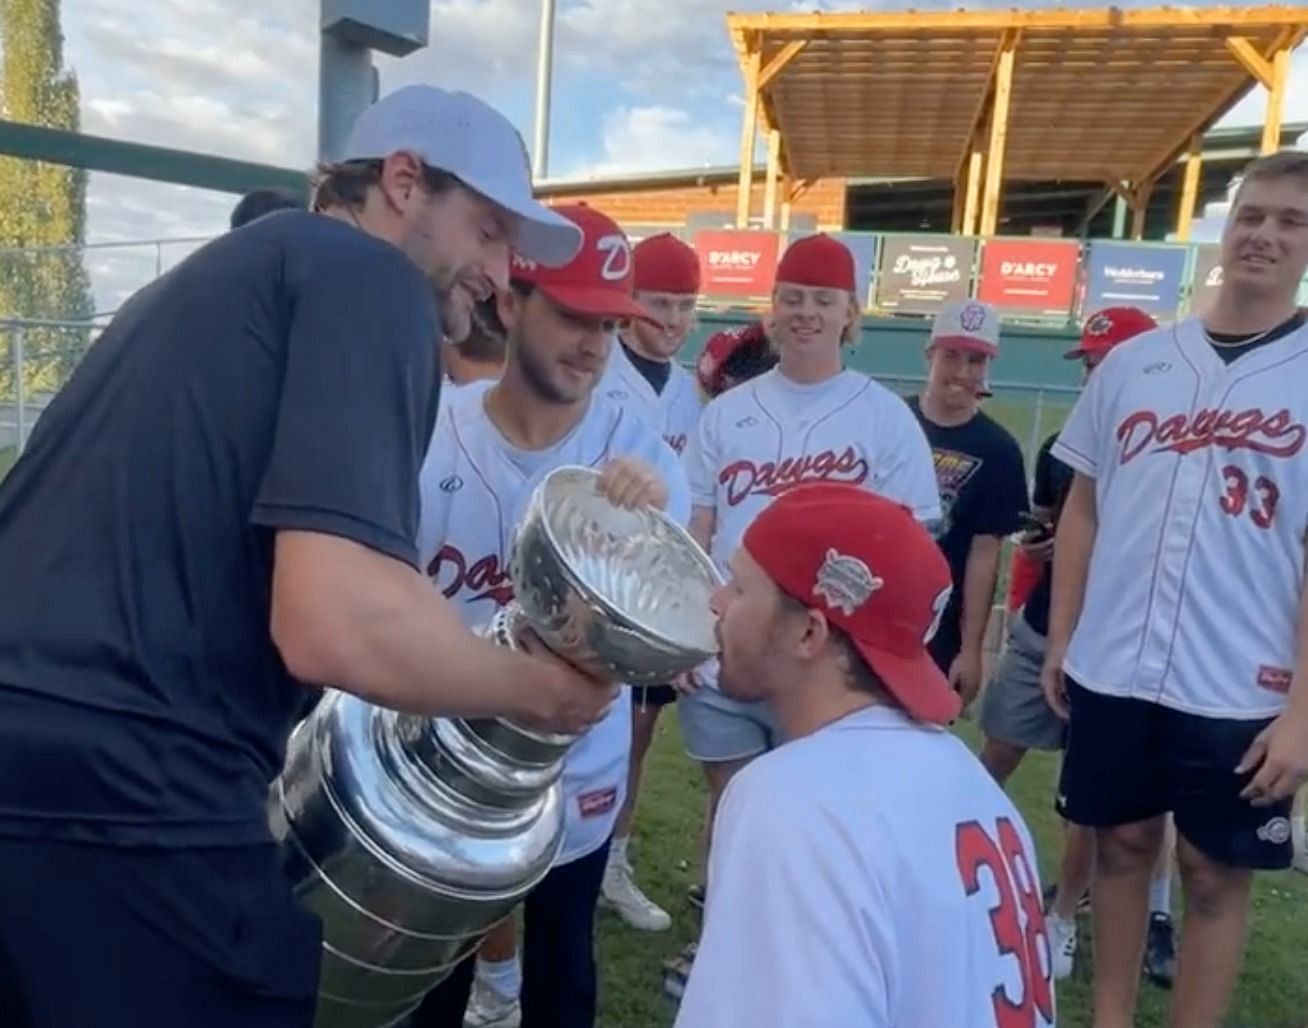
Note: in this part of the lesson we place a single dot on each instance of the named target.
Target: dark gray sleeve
(358, 401)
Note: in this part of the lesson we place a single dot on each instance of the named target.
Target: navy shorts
(652, 696)
(1131, 760)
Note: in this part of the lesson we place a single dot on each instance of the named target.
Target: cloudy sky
(639, 85)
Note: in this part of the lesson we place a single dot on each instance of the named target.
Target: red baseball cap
(599, 280)
(874, 572)
(664, 264)
(1106, 328)
(818, 261)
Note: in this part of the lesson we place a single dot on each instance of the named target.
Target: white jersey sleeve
(1080, 443)
(905, 471)
(782, 944)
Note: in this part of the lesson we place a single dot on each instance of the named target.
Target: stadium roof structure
(981, 97)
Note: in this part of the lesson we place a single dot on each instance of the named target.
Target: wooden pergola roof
(1113, 95)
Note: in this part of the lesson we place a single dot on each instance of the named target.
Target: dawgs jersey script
(758, 440)
(871, 874)
(1201, 486)
(674, 412)
(475, 486)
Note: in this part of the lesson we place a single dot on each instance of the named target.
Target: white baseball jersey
(870, 874)
(768, 435)
(674, 412)
(1201, 486)
(475, 486)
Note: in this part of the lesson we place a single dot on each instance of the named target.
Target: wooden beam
(998, 136)
(1189, 189)
(978, 121)
(975, 165)
(1276, 100)
(1139, 204)
(787, 187)
(774, 67)
(1288, 39)
(1254, 62)
(770, 189)
(1129, 20)
(748, 138)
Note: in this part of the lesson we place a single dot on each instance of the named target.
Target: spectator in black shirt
(982, 480)
(216, 516)
(1015, 717)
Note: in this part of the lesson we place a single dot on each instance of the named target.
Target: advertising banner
(920, 274)
(1035, 276)
(1123, 275)
(1205, 278)
(735, 262)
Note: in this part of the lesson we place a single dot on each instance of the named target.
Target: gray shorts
(717, 728)
(1013, 707)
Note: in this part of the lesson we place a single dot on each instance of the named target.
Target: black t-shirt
(982, 482)
(1053, 481)
(282, 377)
(656, 373)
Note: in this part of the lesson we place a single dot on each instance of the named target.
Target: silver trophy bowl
(411, 837)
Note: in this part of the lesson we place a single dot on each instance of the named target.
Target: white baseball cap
(968, 325)
(459, 134)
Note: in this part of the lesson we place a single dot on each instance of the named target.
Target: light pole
(544, 76)
(347, 79)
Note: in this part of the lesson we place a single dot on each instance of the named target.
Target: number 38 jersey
(871, 874)
(1201, 473)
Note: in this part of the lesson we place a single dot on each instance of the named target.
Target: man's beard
(538, 380)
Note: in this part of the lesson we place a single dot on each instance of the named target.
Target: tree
(42, 206)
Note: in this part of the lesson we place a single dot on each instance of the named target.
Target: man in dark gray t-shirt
(215, 516)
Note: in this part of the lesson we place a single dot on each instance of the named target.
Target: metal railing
(37, 357)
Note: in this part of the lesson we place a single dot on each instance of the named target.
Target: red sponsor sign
(736, 262)
(1029, 275)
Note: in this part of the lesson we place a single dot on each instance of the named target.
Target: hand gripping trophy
(411, 837)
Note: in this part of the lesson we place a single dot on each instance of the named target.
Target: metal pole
(1037, 436)
(544, 76)
(347, 83)
(20, 393)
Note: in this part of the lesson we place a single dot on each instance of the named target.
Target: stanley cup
(411, 837)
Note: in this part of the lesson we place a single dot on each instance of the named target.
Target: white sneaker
(621, 894)
(488, 1009)
(1062, 944)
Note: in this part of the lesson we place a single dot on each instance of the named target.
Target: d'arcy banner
(920, 274)
(1029, 276)
(736, 262)
(1147, 277)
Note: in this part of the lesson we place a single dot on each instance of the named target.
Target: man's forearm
(1073, 545)
(347, 617)
(979, 579)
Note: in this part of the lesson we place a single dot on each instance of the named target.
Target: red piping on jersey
(781, 432)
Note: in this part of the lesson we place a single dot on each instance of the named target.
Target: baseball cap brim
(543, 235)
(597, 302)
(965, 343)
(916, 683)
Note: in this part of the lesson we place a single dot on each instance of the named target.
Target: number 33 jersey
(1201, 484)
(871, 874)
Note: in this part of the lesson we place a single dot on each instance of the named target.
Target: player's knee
(1001, 758)
(1128, 849)
(1211, 888)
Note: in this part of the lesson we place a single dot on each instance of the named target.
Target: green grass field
(1273, 991)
